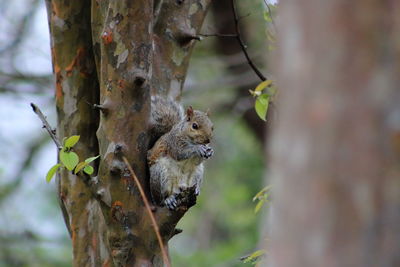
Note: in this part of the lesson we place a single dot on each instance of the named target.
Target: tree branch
(217, 35)
(242, 45)
(46, 125)
(270, 14)
(238, 37)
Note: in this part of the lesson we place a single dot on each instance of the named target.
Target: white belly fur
(181, 174)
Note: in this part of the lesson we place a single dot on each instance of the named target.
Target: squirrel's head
(199, 126)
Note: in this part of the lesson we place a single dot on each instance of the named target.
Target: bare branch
(217, 35)
(270, 14)
(242, 45)
(46, 125)
(9, 82)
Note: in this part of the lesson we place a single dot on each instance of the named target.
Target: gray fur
(176, 160)
(165, 113)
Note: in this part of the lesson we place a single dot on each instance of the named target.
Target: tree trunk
(116, 54)
(336, 149)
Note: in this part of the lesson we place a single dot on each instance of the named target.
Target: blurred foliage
(28, 250)
(262, 198)
(222, 226)
(220, 229)
(255, 257)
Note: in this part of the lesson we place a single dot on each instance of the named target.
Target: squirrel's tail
(165, 113)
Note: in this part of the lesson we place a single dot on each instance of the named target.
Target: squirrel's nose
(207, 141)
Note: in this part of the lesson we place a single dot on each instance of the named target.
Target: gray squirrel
(176, 159)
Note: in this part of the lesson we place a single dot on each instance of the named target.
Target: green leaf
(88, 169)
(255, 256)
(85, 165)
(88, 160)
(263, 191)
(71, 141)
(69, 159)
(261, 106)
(267, 16)
(80, 166)
(263, 85)
(264, 98)
(51, 172)
(259, 206)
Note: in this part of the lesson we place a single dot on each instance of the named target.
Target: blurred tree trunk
(336, 148)
(116, 54)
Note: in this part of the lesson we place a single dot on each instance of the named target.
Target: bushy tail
(165, 113)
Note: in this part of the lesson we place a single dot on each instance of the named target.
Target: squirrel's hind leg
(159, 183)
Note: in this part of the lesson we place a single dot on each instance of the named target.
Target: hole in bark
(118, 149)
(116, 169)
(139, 80)
(186, 39)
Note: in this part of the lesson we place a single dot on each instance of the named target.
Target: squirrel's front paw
(206, 151)
(171, 202)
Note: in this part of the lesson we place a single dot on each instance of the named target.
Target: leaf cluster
(70, 160)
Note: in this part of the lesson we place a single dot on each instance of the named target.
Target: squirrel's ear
(189, 113)
(208, 112)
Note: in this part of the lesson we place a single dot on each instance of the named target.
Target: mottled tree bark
(116, 54)
(336, 148)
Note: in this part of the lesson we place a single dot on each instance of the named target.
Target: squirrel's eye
(195, 126)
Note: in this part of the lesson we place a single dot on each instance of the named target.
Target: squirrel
(176, 159)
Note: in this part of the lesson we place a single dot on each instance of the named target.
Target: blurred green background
(220, 229)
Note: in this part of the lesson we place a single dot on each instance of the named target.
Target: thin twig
(270, 14)
(242, 45)
(217, 35)
(153, 220)
(46, 125)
